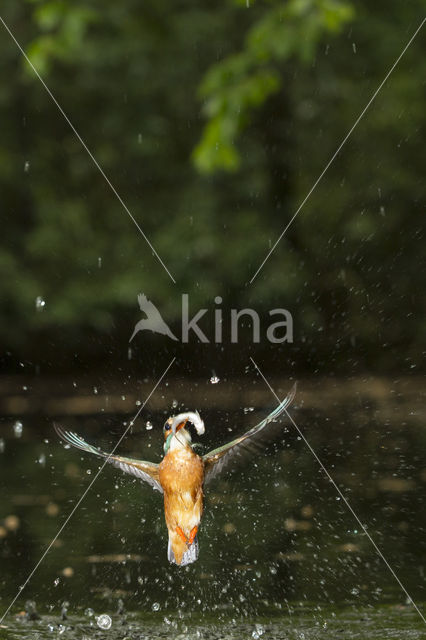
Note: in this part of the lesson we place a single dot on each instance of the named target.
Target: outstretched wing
(249, 443)
(147, 471)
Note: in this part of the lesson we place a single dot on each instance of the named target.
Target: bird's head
(175, 434)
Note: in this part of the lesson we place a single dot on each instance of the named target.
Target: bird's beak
(181, 425)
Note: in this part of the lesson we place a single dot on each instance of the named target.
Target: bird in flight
(182, 475)
(153, 321)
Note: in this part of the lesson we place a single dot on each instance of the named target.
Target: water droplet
(56, 581)
(40, 303)
(42, 459)
(129, 353)
(26, 166)
(120, 608)
(104, 621)
(175, 404)
(354, 47)
(148, 426)
(89, 612)
(99, 262)
(2, 445)
(156, 606)
(138, 403)
(214, 379)
(95, 390)
(17, 429)
(89, 472)
(248, 409)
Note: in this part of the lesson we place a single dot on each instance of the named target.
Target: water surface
(278, 547)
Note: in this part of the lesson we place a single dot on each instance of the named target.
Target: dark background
(212, 122)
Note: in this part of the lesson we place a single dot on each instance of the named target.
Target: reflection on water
(275, 535)
(308, 623)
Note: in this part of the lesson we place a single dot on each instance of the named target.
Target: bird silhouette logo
(153, 321)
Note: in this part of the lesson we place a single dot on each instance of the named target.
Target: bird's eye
(166, 426)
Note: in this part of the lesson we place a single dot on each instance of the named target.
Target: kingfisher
(182, 474)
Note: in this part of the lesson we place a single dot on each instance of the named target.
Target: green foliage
(295, 76)
(235, 86)
(63, 27)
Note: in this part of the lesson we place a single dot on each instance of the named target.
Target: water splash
(18, 428)
(104, 621)
(40, 303)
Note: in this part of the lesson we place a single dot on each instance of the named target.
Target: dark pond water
(312, 622)
(278, 547)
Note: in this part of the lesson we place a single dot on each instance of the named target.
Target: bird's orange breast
(181, 474)
(181, 471)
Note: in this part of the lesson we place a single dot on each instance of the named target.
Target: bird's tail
(189, 556)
